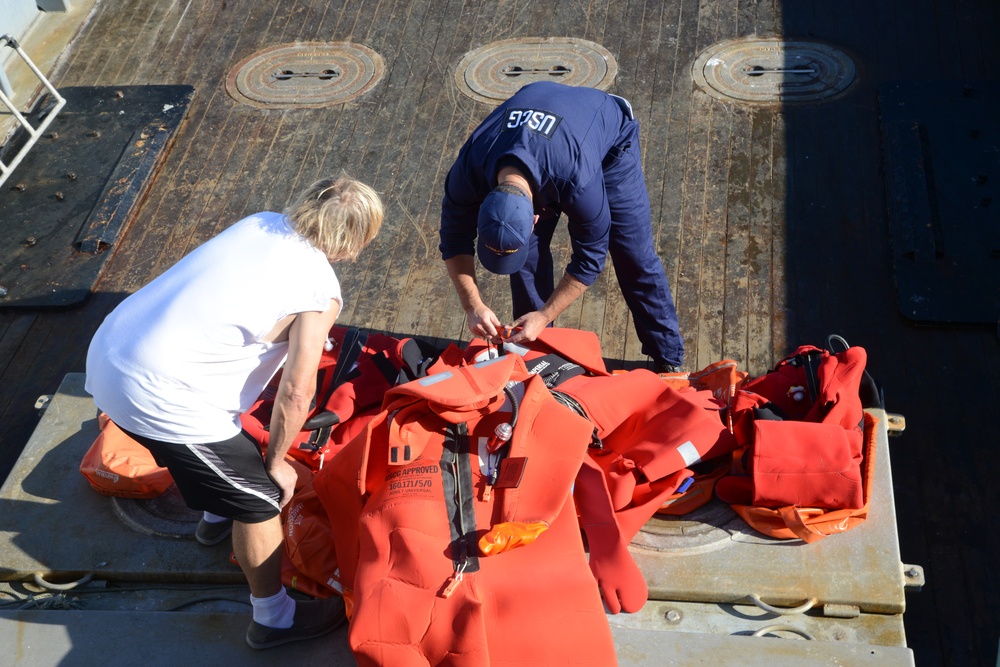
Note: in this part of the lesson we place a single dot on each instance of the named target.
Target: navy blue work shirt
(560, 135)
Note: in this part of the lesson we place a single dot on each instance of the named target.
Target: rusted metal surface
(80, 188)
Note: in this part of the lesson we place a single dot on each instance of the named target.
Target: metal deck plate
(656, 649)
(773, 71)
(305, 75)
(497, 70)
(745, 620)
(724, 561)
(52, 522)
(34, 638)
(77, 190)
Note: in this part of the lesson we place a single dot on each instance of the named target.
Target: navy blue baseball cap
(505, 223)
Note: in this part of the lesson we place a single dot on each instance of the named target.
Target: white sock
(213, 518)
(277, 611)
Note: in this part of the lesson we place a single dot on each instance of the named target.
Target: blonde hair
(339, 216)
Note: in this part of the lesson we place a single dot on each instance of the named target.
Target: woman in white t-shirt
(178, 362)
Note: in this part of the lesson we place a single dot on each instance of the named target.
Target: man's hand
(283, 474)
(479, 318)
(567, 291)
(483, 322)
(531, 326)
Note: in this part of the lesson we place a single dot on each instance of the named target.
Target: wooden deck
(771, 221)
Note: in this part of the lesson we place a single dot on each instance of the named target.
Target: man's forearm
(287, 417)
(566, 292)
(298, 379)
(462, 271)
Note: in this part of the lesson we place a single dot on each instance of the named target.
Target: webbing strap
(810, 364)
(354, 342)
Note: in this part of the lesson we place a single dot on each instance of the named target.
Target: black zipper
(456, 473)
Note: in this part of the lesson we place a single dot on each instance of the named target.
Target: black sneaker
(313, 618)
(210, 533)
(665, 367)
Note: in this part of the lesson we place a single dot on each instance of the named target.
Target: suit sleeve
(459, 213)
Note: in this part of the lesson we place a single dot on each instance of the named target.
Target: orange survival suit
(646, 436)
(414, 512)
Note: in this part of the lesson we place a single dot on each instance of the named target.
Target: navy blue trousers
(637, 266)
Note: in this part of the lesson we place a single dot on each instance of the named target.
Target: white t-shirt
(182, 358)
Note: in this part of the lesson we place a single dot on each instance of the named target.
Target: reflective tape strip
(689, 453)
(434, 379)
(519, 350)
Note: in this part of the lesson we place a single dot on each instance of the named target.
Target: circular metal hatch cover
(497, 70)
(773, 71)
(305, 75)
(708, 528)
(167, 515)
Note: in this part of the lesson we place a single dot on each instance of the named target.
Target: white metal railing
(33, 132)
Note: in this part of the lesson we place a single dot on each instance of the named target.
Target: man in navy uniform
(547, 150)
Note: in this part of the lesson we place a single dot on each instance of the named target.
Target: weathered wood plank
(431, 303)
(688, 284)
(104, 40)
(623, 24)
(769, 18)
(728, 23)
(886, 52)
(736, 271)
(147, 28)
(244, 175)
(670, 240)
(184, 29)
(779, 237)
(14, 330)
(654, 68)
(145, 249)
(801, 264)
(711, 292)
(745, 19)
(407, 284)
(203, 130)
(760, 245)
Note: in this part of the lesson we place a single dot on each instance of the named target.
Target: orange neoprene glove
(622, 584)
(509, 535)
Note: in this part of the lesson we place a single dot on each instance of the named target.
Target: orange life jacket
(806, 451)
(352, 378)
(117, 465)
(413, 513)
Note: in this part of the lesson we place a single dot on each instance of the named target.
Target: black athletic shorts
(225, 478)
